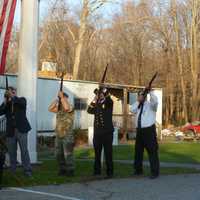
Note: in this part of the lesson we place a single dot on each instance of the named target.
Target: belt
(143, 128)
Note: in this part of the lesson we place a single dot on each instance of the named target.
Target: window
(80, 104)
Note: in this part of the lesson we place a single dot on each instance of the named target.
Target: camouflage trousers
(64, 148)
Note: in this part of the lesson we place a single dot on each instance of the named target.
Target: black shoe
(28, 174)
(69, 173)
(97, 174)
(154, 176)
(109, 176)
(62, 173)
(137, 173)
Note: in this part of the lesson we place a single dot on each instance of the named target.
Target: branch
(71, 33)
(96, 4)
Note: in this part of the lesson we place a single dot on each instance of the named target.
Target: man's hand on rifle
(60, 94)
(95, 99)
(53, 107)
(7, 96)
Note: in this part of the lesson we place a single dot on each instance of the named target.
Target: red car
(192, 129)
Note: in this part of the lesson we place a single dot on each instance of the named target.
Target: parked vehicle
(192, 129)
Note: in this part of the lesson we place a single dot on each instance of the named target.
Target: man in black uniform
(102, 108)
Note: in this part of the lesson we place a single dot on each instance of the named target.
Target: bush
(81, 137)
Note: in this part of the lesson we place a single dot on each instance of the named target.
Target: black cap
(140, 92)
(104, 90)
(96, 91)
(101, 90)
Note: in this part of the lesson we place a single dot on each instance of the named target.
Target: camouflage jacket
(64, 122)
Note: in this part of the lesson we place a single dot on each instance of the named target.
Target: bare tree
(144, 37)
(195, 6)
(89, 7)
(179, 60)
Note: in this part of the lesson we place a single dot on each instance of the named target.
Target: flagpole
(28, 64)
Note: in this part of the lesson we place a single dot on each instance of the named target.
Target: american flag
(7, 11)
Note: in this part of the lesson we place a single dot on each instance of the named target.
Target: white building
(81, 93)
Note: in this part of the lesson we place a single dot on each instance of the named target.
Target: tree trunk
(180, 65)
(194, 59)
(80, 41)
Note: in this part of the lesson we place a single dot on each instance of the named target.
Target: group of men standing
(102, 109)
(17, 127)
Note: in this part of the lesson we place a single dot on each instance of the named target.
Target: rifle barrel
(6, 82)
(61, 89)
(153, 78)
(104, 74)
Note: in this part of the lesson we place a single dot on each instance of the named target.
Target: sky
(107, 10)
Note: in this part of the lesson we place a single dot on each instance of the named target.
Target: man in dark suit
(17, 127)
(102, 108)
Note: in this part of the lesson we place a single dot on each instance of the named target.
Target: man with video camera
(17, 128)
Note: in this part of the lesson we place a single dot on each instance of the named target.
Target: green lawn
(46, 174)
(171, 152)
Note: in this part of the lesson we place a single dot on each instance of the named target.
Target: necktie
(140, 116)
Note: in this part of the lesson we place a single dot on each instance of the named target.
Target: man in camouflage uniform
(3, 150)
(64, 134)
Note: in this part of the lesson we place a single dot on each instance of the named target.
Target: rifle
(104, 75)
(6, 86)
(97, 91)
(12, 103)
(6, 82)
(147, 89)
(61, 89)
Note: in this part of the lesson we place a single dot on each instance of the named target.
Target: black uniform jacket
(102, 116)
(15, 112)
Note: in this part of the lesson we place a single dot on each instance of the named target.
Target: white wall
(47, 92)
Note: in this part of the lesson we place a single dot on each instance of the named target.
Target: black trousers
(100, 141)
(2, 160)
(146, 139)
